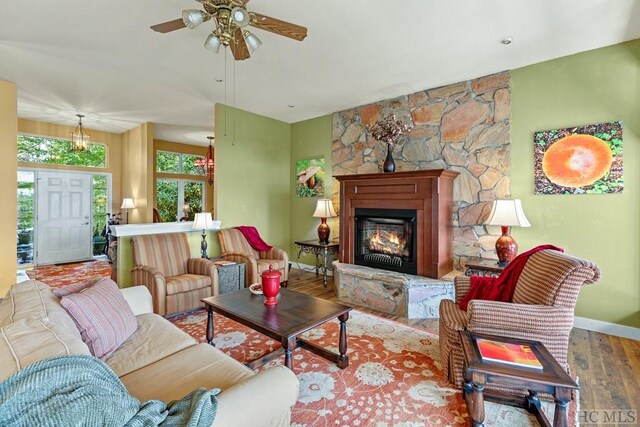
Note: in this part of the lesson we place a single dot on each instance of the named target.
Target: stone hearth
(403, 295)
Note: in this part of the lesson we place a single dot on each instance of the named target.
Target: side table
(483, 267)
(478, 373)
(319, 249)
(230, 276)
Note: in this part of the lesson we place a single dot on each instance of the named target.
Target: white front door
(64, 217)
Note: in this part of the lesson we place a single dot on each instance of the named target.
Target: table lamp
(204, 222)
(507, 214)
(127, 204)
(324, 210)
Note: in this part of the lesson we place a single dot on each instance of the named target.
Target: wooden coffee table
(294, 314)
(551, 379)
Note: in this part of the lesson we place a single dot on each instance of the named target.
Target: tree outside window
(173, 194)
(52, 151)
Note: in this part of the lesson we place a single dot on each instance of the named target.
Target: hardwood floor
(608, 367)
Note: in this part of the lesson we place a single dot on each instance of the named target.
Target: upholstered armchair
(177, 282)
(235, 248)
(542, 309)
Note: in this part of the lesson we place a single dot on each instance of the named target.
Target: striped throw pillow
(103, 317)
(76, 287)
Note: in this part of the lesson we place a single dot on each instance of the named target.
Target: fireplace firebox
(385, 238)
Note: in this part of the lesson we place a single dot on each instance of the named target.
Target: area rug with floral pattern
(394, 376)
(67, 274)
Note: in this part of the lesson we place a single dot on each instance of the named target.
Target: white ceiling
(100, 57)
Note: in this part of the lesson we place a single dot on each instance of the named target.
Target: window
(26, 197)
(99, 211)
(44, 150)
(168, 162)
(172, 196)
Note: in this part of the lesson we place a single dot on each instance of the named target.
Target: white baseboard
(307, 267)
(607, 328)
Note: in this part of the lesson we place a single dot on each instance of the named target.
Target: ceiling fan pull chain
(226, 106)
(233, 119)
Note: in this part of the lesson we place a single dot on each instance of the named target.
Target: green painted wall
(591, 87)
(310, 139)
(253, 173)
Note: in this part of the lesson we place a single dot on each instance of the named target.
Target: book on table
(223, 262)
(508, 353)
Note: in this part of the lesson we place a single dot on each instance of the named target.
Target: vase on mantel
(389, 165)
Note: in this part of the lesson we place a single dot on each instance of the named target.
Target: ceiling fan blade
(167, 27)
(283, 28)
(239, 46)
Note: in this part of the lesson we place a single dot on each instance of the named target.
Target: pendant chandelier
(205, 165)
(79, 139)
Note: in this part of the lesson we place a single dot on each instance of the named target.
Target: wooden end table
(316, 248)
(483, 267)
(294, 314)
(551, 379)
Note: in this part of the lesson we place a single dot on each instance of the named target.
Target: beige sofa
(159, 361)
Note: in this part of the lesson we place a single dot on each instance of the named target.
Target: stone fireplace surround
(464, 127)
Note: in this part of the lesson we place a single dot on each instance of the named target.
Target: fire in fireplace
(385, 239)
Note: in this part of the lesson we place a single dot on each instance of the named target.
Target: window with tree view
(26, 211)
(44, 150)
(174, 195)
(180, 163)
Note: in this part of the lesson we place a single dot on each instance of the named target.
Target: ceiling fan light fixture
(240, 16)
(193, 17)
(213, 43)
(252, 41)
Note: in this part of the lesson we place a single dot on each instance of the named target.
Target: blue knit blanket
(83, 391)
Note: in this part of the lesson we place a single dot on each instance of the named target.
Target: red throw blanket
(500, 288)
(253, 237)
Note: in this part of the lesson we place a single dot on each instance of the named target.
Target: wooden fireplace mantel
(429, 192)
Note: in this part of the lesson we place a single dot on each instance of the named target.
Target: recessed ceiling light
(219, 80)
(290, 105)
(508, 40)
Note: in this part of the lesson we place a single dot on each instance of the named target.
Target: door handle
(85, 223)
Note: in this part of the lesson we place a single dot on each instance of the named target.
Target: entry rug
(394, 378)
(68, 274)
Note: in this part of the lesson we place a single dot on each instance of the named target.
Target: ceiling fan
(231, 18)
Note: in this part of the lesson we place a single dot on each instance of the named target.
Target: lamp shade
(203, 221)
(192, 18)
(213, 43)
(127, 204)
(252, 40)
(324, 209)
(508, 213)
(240, 16)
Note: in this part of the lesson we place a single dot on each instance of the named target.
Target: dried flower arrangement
(389, 129)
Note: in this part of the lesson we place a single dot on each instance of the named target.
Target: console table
(319, 249)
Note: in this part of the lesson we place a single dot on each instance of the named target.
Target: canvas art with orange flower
(579, 160)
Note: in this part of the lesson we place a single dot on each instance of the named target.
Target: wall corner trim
(607, 328)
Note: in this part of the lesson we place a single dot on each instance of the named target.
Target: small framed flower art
(579, 160)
